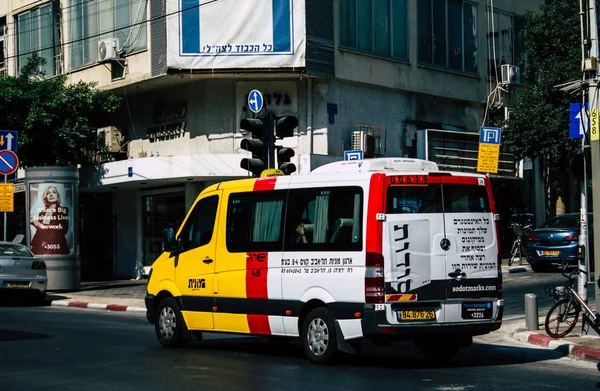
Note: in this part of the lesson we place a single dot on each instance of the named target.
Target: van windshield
(406, 199)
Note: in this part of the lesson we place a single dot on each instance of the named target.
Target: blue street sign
(489, 135)
(8, 162)
(353, 155)
(8, 140)
(255, 101)
(579, 122)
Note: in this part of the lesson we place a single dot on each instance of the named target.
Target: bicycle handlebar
(574, 272)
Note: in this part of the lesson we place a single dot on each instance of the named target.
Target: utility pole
(590, 66)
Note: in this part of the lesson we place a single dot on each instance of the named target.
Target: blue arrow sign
(577, 126)
(255, 101)
(8, 140)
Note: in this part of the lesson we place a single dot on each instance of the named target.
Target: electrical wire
(150, 20)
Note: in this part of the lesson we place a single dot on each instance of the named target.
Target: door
(195, 263)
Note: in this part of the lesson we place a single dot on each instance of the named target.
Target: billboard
(208, 34)
(51, 218)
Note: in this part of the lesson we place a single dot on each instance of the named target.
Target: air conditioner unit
(107, 49)
(113, 139)
(370, 140)
(511, 74)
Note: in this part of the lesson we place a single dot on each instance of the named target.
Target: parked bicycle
(564, 314)
(519, 249)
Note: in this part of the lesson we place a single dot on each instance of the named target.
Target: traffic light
(283, 160)
(285, 125)
(257, 145)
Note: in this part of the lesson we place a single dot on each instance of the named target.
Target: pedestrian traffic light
(285, 125)
(284, 156)
(257, 145)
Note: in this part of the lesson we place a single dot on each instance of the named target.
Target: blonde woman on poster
(51, 224)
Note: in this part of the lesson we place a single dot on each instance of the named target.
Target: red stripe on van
(263, 184)
(259, 324)
(376, 204)
(460, 180)
(256, 275)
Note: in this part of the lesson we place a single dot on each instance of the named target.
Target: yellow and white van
(382, 249)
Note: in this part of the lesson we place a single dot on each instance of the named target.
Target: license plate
(551, 252)
(416, 315)
(16, 284)
(477, 310)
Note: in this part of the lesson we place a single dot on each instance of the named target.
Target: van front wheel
(318, 336)
(169, 326)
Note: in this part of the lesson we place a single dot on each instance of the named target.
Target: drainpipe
(309, 115)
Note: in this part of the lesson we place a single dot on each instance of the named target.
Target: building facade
(358, 74)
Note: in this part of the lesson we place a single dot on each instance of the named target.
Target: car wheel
(536, 267)
(319, 336)
(170, 327)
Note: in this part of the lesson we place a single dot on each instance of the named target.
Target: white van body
(391, 248)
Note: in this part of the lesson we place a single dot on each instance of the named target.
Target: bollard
(531, 312)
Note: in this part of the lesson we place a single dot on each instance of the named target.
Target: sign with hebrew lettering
(208, 34)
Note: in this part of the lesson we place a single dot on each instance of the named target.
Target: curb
(519, 269)
(572, 350)
(107, 307)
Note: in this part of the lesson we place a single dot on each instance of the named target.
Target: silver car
(21, 273)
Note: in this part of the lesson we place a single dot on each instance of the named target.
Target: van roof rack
(377, 164)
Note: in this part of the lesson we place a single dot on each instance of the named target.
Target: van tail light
(374, 280)
(533, 238)
(38, 265)
(573, 238)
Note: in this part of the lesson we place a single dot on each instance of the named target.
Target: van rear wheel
(319, 336)
(170, 327)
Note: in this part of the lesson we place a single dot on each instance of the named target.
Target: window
(331, 219)
(447, 34)
(504, 43)
(38, 32)
(428, 199)
(91, 21)
(2, 44)
(255, 221)
(199, 227)
(375, 26)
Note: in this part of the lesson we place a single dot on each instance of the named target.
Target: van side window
(199, 227)
(330, 219)
(255, 221)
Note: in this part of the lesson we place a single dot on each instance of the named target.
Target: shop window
(160, 211)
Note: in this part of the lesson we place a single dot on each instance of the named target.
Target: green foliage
(539, 124)
(56, 122)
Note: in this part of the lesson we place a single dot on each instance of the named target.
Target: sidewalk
(128, 295)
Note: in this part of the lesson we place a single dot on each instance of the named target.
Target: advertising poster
(235, 34)
(51, 218)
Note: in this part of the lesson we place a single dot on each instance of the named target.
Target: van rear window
(428, 199)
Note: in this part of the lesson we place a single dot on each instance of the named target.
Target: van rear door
(440, 236)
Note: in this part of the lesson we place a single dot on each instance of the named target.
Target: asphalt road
(50, 348)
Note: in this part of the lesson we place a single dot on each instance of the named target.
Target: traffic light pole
(271, 140)
(592, 28)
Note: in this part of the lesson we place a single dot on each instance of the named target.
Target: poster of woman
(50, 218)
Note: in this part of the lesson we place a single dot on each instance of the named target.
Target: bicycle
(564, 314)
(518, 248)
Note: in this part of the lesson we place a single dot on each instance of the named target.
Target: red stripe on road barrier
(116, 307)
(538, 339)
(77, 304)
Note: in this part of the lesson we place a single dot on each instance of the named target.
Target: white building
(185, 67)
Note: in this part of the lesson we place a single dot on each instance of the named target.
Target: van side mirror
(169, 242)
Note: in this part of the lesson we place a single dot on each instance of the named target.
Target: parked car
(21, 273)
(557, 241)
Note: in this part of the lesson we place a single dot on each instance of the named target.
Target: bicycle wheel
(561, 318)
(513, 253)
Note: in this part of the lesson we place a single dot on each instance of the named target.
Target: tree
(539, 123)
(56, 122)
